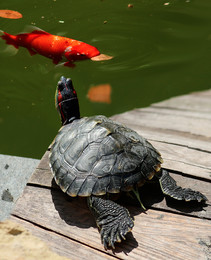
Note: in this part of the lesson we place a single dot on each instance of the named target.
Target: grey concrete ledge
(14, 174)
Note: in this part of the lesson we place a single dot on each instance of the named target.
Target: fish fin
(69, 64)
(10, 50)
(56, 61)
(66, 64)
(101, 57)
(34, 29)
(30, 28)
(32, 52)
(40, 32)
(10, 39)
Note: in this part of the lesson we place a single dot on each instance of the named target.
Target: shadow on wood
(127, 245)
(75, 212)
(186, 206)
(152, 196)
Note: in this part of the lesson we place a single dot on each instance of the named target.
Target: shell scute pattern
(66, 180)
(73, 130)
(76, 148)
(100, 156)
(87, 124)
(63, 143)
(115, 184)
(131, 135)
(87, 187)
(97, 134)
(75, 186)
(88, 158)
(104, 166)
(101, 185)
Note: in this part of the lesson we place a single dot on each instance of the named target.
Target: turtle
(94, 156)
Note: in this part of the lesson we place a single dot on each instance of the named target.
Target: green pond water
(161, 49)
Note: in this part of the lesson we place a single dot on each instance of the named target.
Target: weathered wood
(63, 245)
(44, 162)
(180, 128)
(156, 234)
(173, 123)
(185, 160)
(43, 177)
(184, 141)
(200, 143)
(196, 101)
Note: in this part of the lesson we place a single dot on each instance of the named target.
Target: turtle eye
(60, 85)
(69, 83)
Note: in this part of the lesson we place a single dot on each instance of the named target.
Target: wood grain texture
(180, 128)
(196, 101)
(63, 245)
(182, 137)
(171, 123)
(156, 234)
(150, 196)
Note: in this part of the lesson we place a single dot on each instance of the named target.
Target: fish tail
(10, 39)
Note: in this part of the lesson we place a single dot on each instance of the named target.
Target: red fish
(54, 47)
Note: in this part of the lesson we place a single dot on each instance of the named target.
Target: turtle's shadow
(185, 207)
(151, 195)
(75, 212)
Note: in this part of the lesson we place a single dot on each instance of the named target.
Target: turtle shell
(94, 155)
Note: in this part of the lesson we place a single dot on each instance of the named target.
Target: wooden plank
(200, 143)
(185, 160)
(169, 119)
(44, 162)
(197, 101)
(62, 245)
(204, 94)
(151, 195)
(43, 177)
(156, 234)
(178, 158)
(180, 129)
(182, 148)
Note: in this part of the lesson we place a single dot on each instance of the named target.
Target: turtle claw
(113, 220)
(115, 232)
(170, 188)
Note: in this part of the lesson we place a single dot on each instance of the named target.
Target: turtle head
(66, 101)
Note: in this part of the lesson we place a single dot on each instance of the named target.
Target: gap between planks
(68, 247)
(159, 234)
(175, 236)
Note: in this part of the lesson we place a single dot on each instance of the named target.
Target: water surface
(160, 48)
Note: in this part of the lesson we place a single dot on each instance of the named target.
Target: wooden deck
(180, 128)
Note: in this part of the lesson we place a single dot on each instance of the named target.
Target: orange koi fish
(54, 47)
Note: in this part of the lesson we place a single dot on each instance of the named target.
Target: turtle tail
(169, 187)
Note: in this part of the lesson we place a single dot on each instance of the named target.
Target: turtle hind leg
(169, 187)
(113, 220)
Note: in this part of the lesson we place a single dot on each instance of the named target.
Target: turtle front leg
(169, 187)
(113, 220)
